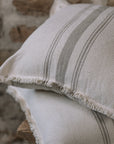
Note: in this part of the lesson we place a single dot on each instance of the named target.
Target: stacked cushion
(55, 119)
(72, 53)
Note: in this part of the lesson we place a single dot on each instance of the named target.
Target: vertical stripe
(105, 128)
(55, 41)
(99, 123)
(86, 49)
(71, 42)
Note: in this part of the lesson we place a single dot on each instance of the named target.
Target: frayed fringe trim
(32, 123)
(36, 83)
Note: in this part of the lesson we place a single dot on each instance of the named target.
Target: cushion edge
(39, 83)
(25, 108)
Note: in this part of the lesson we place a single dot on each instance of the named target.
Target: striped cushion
(71, 53)
(58, 120)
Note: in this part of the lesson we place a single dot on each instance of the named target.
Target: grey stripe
(71, 42)
(105, 128)
(86, 50)
(58, 36)
(100, 126)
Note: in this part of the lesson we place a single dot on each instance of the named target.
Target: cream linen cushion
(72, 53)
(55, 119)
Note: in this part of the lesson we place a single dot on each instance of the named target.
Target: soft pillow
(72, 53)
(55, 119)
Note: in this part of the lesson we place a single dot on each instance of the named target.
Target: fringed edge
(25, 108)
(39, 83)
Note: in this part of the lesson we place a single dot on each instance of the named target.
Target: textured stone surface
(21, 33)
(111, 2)
(36, 7)
(4, 54)
(33, 7)
(74, 1)
(1, 26)
(12, 19)
(10, 118)
(25, 132)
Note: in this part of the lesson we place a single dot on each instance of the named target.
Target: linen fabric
(55, 119)
(72, 53)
